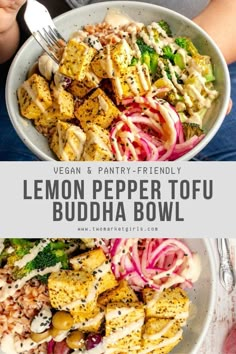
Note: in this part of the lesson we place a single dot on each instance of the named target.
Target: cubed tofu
(122, 293)
(124, 326)
(71, 290)
(160, 335)
(82, 88)
(134, 81)
(68, 141)
(171, 303)
(97, 146)
(88, 260)
(105, 279)
(89, 321)
(61, 109)
(76, 59)
(112, 59)
(64, 101)
(34, 97)
(97, 109)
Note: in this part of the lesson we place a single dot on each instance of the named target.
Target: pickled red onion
(157, 263)
(149, 129)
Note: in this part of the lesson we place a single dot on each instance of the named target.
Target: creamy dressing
(142, 77)
(102, 104)
(89, 322)
(118, 86)
(8, 345)
(123, 332)
(2, 244)
(194, 270)
(164, 343)
(10, 289)
(109, 62)
(31, 93)
(116, 18)
(159, 334)
(77, 145)
(42, 321)
(32, 254)
(47, 66)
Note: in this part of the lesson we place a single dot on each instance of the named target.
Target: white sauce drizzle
(32, 254)
(5, 291)
(1, 244)
(103, 104)
(31, 93)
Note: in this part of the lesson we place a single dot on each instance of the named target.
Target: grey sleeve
(188, 8)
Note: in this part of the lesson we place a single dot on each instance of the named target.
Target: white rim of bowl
(212, 296)
(189, 155)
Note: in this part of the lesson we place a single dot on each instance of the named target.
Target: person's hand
(8, 12)
(229, 106)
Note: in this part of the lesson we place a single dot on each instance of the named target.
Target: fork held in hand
(43, 29)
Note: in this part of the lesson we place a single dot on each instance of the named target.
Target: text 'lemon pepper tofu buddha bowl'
(134, 83)
(98, 296)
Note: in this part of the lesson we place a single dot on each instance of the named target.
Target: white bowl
(142, 12)
(202, 296)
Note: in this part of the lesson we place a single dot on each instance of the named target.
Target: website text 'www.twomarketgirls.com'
(119, 229)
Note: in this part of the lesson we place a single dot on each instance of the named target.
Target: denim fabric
(11, 147)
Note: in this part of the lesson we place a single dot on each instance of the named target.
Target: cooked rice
(16, 313)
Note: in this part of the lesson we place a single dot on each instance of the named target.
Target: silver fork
(227, 276)
(43, 29)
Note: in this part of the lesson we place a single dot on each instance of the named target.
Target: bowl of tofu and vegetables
(136, 82)
(105, 296)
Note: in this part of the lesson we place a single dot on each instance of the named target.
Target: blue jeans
(221, 148)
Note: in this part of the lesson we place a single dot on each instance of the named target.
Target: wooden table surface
(224, 314)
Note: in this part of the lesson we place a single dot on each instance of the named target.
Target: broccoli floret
(52, 254)
(164, 25)
(168, 53)
(20, 248)
(186, 44)
(191, 129)
(143, 47)
(148, 56)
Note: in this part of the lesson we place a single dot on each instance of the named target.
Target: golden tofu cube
(97, 146)
(88, 260)
(122, 293)
(64, 102)
(34, 97)
(70, 289)
(68, 141)
(105, 278)
(111, 60)
(89, 321)
(76, 59)
(127, 320)
(134, 81)
(81, 88)
(97, 109)
(157, 334)
(171, 303)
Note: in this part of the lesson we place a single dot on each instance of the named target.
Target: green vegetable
(186, 44)
(168, 53)
(134, 61)
(179, 61)
(204, 63)
(164, 25)
(148, 56)
(52, 254)
(191, 129)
